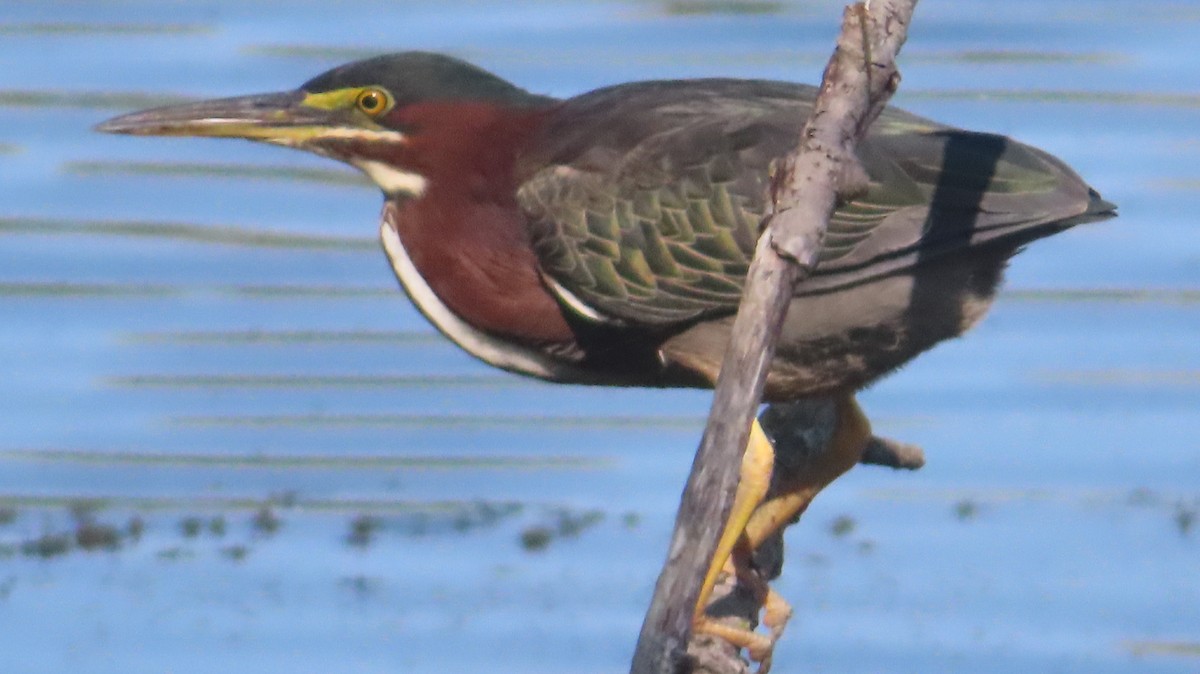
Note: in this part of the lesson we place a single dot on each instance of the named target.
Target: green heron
(604, 239)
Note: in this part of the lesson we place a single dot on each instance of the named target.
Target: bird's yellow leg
(752, 520)
(753, 481)
(796, 490)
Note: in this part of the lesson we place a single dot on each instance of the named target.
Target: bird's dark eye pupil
(369, 102)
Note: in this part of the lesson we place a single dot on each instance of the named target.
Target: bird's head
(371, 114)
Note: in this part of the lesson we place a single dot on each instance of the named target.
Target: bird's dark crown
(416, 77)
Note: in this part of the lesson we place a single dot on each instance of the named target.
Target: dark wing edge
(947, 191)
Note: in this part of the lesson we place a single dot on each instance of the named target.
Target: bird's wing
(649, 213)
(665, 236)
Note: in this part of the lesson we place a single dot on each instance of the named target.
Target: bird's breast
(477, 260)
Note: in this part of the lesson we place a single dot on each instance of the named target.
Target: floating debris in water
(571, 524)
(97, 536)
(966, 510)
(564, 524)
(191, 526)
(536, 538)
(47, 546)
(1185, 517)
(88, 533)
(135, 528)
(457, 516)
(842, 526)
(362, 586)
(84, 509)
(362, 530)
(235, 553)
(265, 522)
(8, 515)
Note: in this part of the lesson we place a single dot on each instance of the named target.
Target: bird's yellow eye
(372, 101)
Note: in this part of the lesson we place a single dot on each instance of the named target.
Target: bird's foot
(759, 646)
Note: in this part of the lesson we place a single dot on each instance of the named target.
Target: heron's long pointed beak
(277, 118)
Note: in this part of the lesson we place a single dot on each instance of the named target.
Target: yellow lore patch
(371, 101)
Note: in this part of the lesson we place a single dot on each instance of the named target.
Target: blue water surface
(281, 467)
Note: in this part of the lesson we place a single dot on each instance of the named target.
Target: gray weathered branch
(858, 81)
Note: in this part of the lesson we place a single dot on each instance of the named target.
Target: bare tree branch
(858, 81)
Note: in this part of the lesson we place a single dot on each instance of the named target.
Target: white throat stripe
(373, 135)
(391, 180)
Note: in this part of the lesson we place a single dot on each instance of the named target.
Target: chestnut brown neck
(465, 233)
